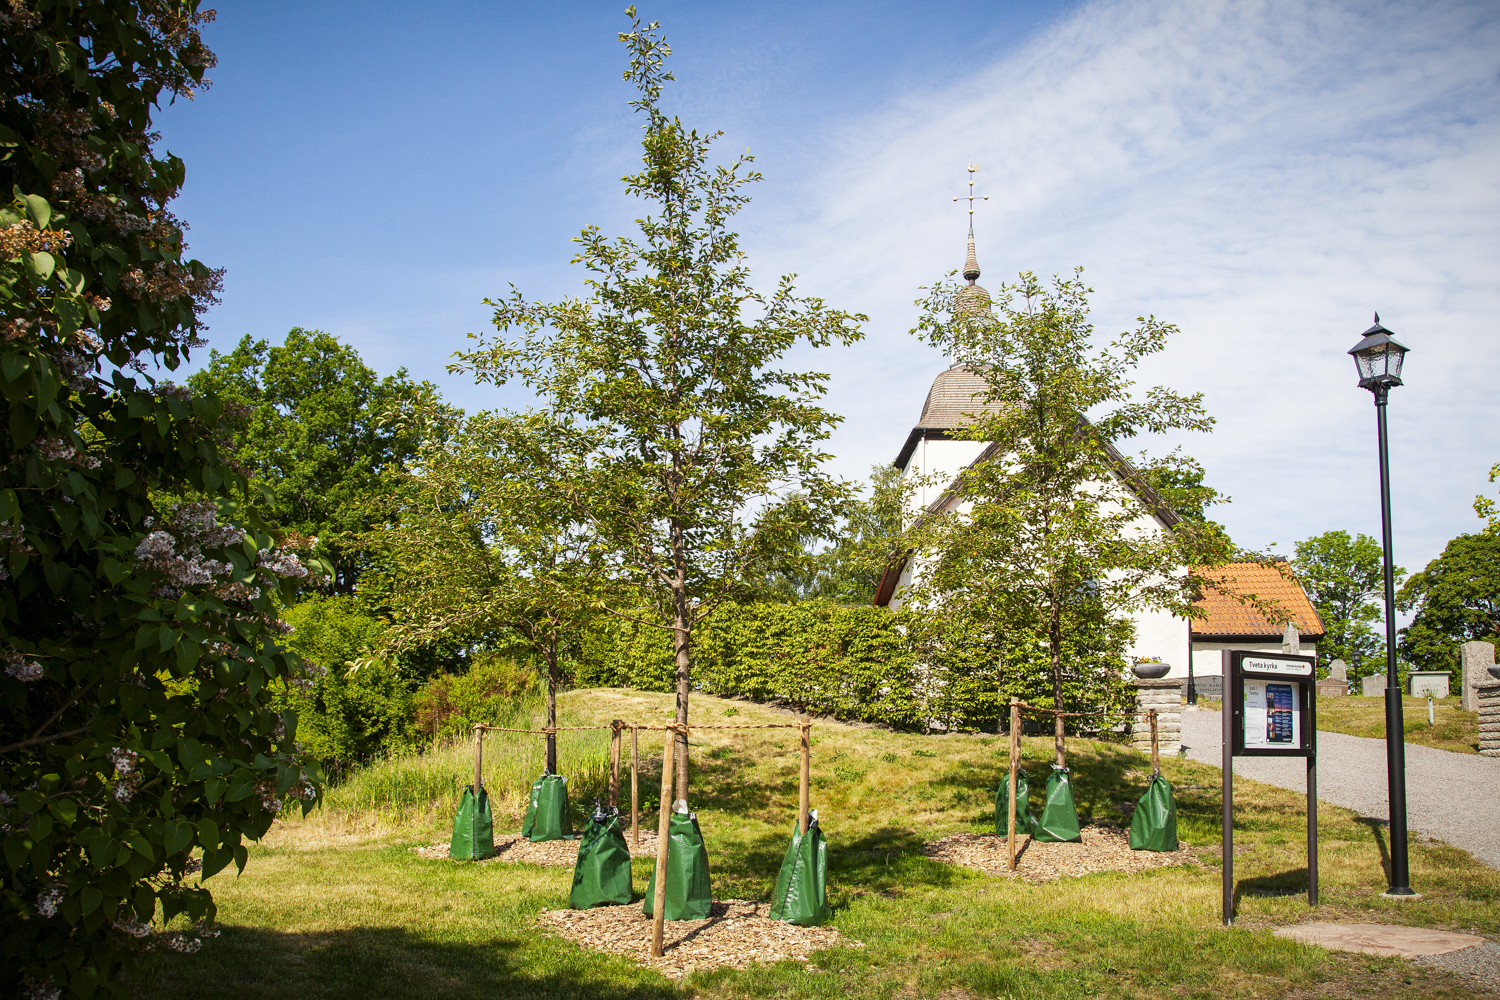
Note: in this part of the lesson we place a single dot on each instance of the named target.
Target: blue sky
(1265, 175)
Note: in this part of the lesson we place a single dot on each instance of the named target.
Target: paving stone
(1380, 939)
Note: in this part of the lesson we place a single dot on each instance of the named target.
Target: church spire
(971, 260)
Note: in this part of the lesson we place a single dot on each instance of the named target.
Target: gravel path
(1483, 963)
(1453, 797)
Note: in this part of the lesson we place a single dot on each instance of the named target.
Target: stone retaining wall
(1489, 719)
(1164, 695)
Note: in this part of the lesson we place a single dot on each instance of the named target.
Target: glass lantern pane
(1365, 362)
(1396, 357)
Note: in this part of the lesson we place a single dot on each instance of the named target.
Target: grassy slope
(337, 906)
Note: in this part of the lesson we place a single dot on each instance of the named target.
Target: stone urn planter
(1151, 671)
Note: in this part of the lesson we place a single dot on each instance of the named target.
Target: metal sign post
(1269, 710)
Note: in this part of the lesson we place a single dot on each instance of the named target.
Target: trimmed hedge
(864, 663)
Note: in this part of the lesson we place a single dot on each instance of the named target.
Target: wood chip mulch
(737, 933)
(1104, 849)
(513, 847)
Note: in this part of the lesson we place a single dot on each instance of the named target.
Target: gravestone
(1337, 671)
(1373, 686)
(1291, 640)
(1478, 657)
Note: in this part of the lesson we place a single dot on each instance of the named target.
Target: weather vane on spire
(973, 169)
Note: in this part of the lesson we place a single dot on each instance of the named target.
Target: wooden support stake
(635, 788)
(802, 802)
(614, 764)
(1155, 759)
(659, 907)
(1015, 765)
(478, 762)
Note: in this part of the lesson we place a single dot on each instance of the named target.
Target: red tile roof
(1228, 617)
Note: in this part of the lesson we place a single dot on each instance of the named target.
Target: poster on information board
(1271, 696)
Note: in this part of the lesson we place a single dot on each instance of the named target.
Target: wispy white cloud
(1262, 174)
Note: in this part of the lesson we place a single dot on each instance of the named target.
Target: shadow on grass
(1288, 883)
(391, 962)
(1377, 833)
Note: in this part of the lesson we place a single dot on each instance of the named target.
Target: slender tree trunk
(1054, 644)
(682, 633)
(552, 703)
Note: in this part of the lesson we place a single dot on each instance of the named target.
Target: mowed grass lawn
(338, 906)
(1451, 729)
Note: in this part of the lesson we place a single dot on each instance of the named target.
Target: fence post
(1015, 763)
(659, 909)
(802, 802)
(635, 773)
(614, 764)
(1155, 759)
(478, 761)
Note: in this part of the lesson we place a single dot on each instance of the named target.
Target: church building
(935, 452)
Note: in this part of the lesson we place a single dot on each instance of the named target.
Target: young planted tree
(697, 454)
(1343, 578)
(476, 552)
(138, 635)
(1050, 533)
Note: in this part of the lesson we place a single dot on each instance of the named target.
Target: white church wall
(938, 462)
(1159, 633)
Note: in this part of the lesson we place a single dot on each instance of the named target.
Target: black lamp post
(1378, 357)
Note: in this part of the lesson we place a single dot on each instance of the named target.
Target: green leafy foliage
(138, 635)
(354, 703)
(488, 692)
(1456, 598)
(318, 435)
(901, 669)
(1344, 579)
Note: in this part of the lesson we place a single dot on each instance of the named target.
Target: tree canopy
(1344, 579)
(694, 454)
(1456, 599)
(318, 435)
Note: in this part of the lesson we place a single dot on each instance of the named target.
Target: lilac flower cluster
(281, 564)
(58, 450)
(37, 990)
(124, 762)
(21, 668)
(49, 899)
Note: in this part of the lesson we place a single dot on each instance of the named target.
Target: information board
(1269, 711)
(1272, 703)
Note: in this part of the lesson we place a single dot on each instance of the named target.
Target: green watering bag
(1154, 825)
(689, 895)
(601, 876)
(547, 813)
(1025, 818)
(473, 832)
(1059, 822)
(802, 887)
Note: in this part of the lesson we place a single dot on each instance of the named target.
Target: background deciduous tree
(703, 455)
(318, 437)
(1043, 537)
(1456, 598)
(1344, 579)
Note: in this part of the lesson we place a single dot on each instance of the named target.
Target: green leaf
(179, 837)
(65, 810)
(9, 507)
(91, 899)
(212, 789)
(214, 861)
(41, 263)
(40, 826)
(38, 209)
